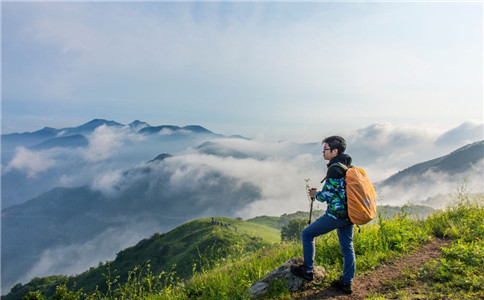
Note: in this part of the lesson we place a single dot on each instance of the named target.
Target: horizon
(463, 126)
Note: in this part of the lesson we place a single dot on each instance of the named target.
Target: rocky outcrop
(294, 283)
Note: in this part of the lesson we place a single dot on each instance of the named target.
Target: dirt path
(374, 281)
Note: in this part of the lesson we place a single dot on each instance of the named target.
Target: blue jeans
(324, 225)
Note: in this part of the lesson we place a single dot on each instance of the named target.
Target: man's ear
(335, 151)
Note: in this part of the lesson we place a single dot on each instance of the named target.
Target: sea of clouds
(210, 175)
(279, 168)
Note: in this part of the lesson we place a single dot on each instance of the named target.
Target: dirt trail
(374, 281)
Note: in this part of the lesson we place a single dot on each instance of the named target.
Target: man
(336, 216)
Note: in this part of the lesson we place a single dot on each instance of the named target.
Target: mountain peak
(161, 157)
(98, 122)
(197, 129)
(137, 123)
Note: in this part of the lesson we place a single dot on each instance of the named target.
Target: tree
(292, 231)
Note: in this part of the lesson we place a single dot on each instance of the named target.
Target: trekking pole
(310, 211)
(310, 200)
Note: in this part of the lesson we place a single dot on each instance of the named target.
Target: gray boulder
(294, 283)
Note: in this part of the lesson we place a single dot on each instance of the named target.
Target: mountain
(459, 161)
(171, 128)
(89, 127)
(462, 169)
(72, 141)
(200, 243)
(66, 223)
(31, 139)
(32, 170)
(212, 148)
(138, 124)
(161, 157)
(196, 129)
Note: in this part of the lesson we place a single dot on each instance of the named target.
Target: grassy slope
(230, 273)
(192, 246)
(278, 222)
(384, 241)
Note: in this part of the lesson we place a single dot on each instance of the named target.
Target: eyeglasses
(325, 149)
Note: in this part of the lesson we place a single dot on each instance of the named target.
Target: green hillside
(278, 222)
(194, 246)
(231, 255)
(386, 211)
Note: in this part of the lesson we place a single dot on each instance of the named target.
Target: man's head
(333, 146)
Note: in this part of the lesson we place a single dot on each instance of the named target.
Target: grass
(457, 274)
(267, 233)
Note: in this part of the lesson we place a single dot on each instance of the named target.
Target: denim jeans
(324, 225)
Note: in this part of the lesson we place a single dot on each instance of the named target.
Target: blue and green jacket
(334, 188)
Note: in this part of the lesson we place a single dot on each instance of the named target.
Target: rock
(294, 283)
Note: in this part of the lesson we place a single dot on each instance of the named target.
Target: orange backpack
(360, 195)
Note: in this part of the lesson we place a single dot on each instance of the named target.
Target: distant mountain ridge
(71, 141)
(458, 161)
(95, 123)
(37, 138)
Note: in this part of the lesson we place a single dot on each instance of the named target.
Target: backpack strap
(341, 165)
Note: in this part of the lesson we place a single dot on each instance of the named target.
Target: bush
(293, 230)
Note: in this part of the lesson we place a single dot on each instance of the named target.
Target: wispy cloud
(107, 140)
(31, 162)
(76, 258)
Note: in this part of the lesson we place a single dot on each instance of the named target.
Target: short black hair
(336, 142)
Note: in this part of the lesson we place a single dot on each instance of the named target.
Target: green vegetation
(229, 273)
(458, 274)
(192, 247)
(293, 230)
(279, 222)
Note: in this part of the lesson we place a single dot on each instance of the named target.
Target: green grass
(229, 274)
(266, 233)
(278, 222)
(458, 274)
(192, 247)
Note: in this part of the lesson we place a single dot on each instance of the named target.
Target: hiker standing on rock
(336, 216)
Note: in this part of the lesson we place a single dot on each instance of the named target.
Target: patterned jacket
(334, 188)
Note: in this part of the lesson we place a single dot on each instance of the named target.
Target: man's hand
(312, 193)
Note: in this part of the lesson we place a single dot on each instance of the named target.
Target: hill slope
(458, 161)
(143, 201)
(190, 247)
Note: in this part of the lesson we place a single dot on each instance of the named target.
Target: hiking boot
(340, 285)
(301, 272)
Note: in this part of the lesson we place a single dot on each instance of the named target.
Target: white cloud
(281, 180)
(31, 162)
(76, 258)
(107, 183)
(105, 141)
(417, 189)
(385, 149)
(467, 132)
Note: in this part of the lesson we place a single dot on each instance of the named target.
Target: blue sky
(286, 70)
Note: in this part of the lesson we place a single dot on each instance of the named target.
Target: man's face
(327, 153)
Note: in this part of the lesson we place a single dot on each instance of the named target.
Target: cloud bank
(206, 175)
